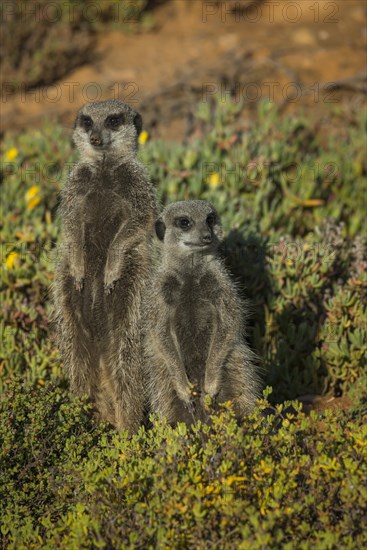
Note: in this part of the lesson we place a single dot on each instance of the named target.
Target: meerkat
(194, 321)
(108, 209)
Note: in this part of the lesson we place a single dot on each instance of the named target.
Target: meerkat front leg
(220, 344)
(77, 265)
(74, 251)
(181, 382)
(170, 356)
(114, 264)
(124, 241)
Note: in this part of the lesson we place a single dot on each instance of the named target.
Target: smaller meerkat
(194, 319)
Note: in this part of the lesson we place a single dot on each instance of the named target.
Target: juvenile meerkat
(194, 340)
(108, 210)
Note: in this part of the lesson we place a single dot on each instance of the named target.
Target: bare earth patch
(311, 55)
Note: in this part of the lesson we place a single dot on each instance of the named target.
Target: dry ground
(289, 51)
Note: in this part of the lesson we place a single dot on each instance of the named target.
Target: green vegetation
(292, 207)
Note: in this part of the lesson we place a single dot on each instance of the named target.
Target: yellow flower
(33, 203)
(264, 467)
(11, 154)
(32, 192)
(143, 137)
(213, 180)
(32, 197)
(12, 260)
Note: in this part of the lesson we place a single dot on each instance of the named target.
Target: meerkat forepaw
(110, 279)
(109, 288)
(79, 283)
(77, 273)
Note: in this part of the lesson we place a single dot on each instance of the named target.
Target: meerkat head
(107, 128)
(189, 227)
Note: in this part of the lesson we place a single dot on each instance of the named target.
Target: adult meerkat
(108, 210)
(194, 321)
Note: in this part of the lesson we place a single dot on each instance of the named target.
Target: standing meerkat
(194, 340)
(108, 209)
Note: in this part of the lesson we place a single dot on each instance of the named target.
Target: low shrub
(278, 480)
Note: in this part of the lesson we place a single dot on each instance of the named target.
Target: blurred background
(165, 56)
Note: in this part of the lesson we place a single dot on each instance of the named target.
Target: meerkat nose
(96, 140)
(207, 238)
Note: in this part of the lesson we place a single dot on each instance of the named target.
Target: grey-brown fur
(108, 210)
(194, 321)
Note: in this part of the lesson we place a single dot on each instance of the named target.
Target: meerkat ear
(160, 229)
(76, 121)
(138, 123)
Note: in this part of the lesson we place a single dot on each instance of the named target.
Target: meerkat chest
(190, 292)
(104, 210)
(194, 321)
(194, 311)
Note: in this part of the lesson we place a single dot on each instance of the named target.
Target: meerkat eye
(211, 219)
(114, 121)
(86, 122)
(183, 223)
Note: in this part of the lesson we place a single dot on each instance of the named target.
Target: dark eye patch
(114, 121)
(183, 223)
(211, 219)
(86, 122)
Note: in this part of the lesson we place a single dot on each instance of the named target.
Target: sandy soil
(288, 51)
